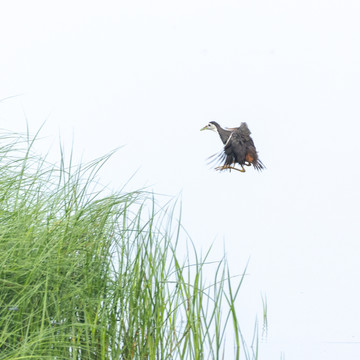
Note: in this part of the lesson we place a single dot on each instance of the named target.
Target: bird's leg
(225, 167)
(241, 170)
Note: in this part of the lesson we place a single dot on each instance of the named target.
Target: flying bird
(239, 147)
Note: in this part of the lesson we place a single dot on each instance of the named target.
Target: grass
(84, 275)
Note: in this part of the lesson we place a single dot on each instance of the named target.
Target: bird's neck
(224, 134)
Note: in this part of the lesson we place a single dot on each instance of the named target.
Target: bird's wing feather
(236, 145)
(244, 130)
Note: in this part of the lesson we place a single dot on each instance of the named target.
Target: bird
(239, 147)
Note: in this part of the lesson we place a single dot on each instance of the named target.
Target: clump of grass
(84, 275)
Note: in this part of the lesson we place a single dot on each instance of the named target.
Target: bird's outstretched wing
(243, 127)
(244, 131)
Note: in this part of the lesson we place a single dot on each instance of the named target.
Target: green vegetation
(84, 275)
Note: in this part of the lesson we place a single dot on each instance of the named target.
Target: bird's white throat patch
(213, 127)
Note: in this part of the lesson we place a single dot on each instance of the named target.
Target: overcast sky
(147, 75)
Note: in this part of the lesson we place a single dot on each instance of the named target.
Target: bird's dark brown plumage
(239, 148)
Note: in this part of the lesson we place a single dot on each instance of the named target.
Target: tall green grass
(87, 275)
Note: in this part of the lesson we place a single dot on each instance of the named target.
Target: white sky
(150, 74)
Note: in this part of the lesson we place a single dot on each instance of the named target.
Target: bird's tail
(258, 165)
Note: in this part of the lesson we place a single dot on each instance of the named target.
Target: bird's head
(210, 126)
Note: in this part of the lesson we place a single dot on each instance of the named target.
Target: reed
(88, 275)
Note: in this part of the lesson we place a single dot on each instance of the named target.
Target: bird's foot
(227, 167)
(219, 168)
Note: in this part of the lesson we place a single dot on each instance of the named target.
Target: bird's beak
(204, 128)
